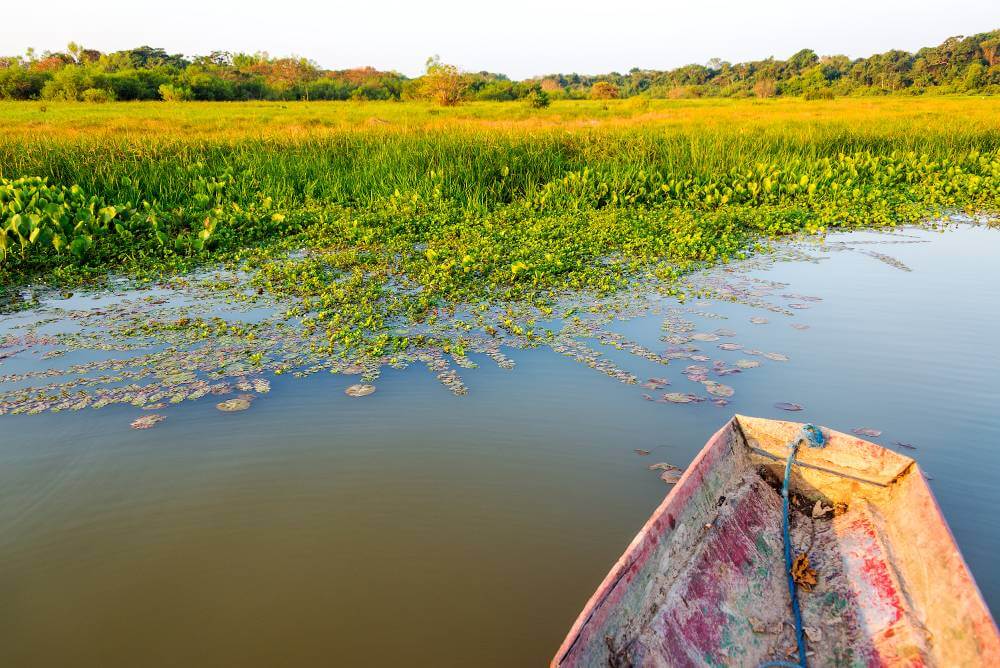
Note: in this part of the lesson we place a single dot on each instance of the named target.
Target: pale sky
(520, 38)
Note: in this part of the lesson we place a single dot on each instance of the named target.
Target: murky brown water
(414, 527)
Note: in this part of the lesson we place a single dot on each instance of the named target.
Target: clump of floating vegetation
(368, 247)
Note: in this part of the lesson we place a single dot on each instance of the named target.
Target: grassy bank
(479, 202)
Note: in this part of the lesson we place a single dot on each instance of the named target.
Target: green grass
(467, 205)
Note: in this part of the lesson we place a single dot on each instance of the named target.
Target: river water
(416, 527)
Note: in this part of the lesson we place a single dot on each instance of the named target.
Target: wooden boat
(704, 582)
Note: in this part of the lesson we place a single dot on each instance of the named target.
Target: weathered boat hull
(703, 583)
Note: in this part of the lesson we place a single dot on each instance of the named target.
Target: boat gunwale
(624, 563)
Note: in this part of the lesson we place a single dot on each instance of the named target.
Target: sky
(520, 38)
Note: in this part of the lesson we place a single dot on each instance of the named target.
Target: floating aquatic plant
(359, 390)
(718, 389)
(788, 406)
(147, 421)
(233, 405)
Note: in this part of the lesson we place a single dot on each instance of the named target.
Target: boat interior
(881, 581)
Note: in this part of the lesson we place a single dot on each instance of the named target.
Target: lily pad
(730, 346)
(777, 357)
(799, 326)
(905, 445)
(867, 432)
(678, 397)
(233, 405)
(705, 336)
(759, 320)
(748, 364)
(788, 406)
(147, 421)
(359, 390)
(671, 477)
(718, 389)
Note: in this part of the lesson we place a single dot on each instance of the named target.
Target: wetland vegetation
(382, 234)
(283, 263)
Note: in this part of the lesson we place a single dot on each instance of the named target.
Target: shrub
(443, 83)
(765, 88)
(818, 94)
(172, 93)
(604, 90)
(97, 95)
(538, 99)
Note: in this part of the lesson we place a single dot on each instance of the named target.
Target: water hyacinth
(359, 390)
(213, 335)
(147, 421)
(233, 405)
(718, 389)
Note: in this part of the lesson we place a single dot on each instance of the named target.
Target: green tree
(604, 90)
(443, 83)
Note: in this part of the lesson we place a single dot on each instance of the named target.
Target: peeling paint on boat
(703, 582)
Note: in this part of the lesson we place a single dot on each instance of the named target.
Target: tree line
(957, 65)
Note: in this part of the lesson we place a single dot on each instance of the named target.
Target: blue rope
(814, 438)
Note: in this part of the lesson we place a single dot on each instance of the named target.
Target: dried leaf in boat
(147, 421)
(803, 575)
(819, 510)
(867, 432)
(359, 390)
(788, 406)
(747, 364)
(233, 405)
